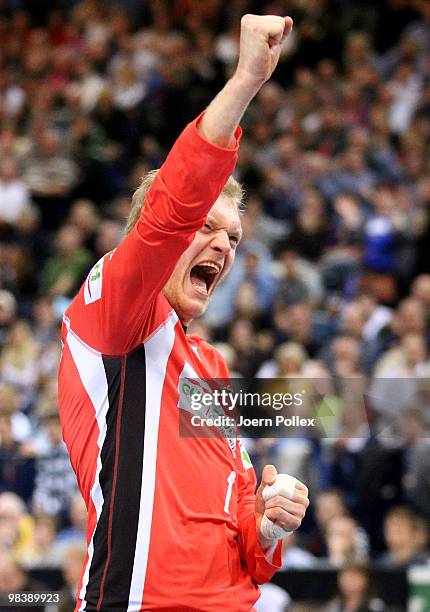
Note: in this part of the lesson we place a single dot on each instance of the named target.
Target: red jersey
(171, 522)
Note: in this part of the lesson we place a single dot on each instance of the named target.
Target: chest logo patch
(93, 284)
(191, 385)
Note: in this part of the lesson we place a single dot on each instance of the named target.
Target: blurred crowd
(331, 281)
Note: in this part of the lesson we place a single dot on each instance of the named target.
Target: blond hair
(232, 189)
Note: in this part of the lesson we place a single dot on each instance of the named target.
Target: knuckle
(274, 501)
(277, 514)
(301, 487)
(303, 501)
(295, 522)
(271, 513)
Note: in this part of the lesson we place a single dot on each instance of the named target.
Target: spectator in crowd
(108, 235)
(328, 505)
(64, 271)
(14, 579)
(354, 588)
(50, 176)
(40, 551)
(376, 316)
(16, 470)
(18, 362)
(45, 323)
(16, 523)
(8, 308)
(299, 281)
(414, 427)
(403, 545)
(421, 291)
(9, 406)
(345, 541)
(288, 361)
(14, 195)
(310, 232)
(258, 223)
(55, 481)
(248, 355)
(342, 356)
(73, 559)
(83, 215)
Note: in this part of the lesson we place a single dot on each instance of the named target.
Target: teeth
(210, 264)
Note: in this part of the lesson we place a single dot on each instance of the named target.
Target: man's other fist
(261, 38)
(286, 512)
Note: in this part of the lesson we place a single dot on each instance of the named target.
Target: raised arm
(261, 39)
(120, 290)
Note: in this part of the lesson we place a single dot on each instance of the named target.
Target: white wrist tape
(284, 485)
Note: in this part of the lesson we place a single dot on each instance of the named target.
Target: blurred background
(331, 281)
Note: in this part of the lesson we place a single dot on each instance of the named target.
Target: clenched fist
(283, 509)
(261, 38)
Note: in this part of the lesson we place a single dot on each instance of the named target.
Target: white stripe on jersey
(89, 364)
(157, 352)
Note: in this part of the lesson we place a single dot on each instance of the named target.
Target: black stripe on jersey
(113, 368)
(112, 574)
(127, 499)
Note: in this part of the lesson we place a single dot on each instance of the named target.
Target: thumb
(288, 27)
(268, 476)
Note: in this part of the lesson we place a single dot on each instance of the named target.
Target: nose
(220, 242)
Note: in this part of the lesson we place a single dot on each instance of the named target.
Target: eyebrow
(237, 231)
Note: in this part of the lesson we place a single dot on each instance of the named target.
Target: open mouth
(203, 276)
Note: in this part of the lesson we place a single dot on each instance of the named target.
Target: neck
(353, 602)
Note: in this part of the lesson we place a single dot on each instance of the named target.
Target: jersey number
(230, 480)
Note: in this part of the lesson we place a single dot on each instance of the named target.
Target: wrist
(247, 83)
(265, 543)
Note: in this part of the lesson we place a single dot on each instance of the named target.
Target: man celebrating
(173, 523)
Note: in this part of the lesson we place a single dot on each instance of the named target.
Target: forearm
(261, 39)
(226, 110)
(261, 561)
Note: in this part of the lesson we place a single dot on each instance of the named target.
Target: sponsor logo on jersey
(246, 461)
(189, 386)
(93, 284)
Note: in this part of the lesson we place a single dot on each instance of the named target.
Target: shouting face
(206, 262)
